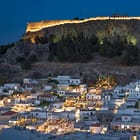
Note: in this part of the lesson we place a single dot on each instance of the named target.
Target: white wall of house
(84, 113)
(48, 87)
(48, 98)
(61, 92)
(68, 80)
(14, 86)
(58, 105)
(131, 91)
(8, 93)
(126, 118)
(58, 115)
(91, 96)
(29, 81)
(36, 102)
(39, 114)
(1, 89)
(74, 81)
(119, 91)
(62, 79)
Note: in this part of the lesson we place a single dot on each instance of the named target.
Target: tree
(73, 48)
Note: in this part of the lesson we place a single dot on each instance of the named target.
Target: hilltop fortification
(37, 26)
(100, 26)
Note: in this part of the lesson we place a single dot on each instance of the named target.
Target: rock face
(110, 27)
(25, 50)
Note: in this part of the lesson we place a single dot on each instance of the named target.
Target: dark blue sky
(14, 14)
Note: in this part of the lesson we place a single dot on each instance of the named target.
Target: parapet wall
(37, 26)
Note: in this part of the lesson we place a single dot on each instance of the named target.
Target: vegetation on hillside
(73, 48)
(81, 49)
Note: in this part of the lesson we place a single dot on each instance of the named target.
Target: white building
(74, 81)
(85, 113)
(92, 96)
(48, 87)
(58, 105)
(119, 91)
(126, 122)
(13, 86)
(69, 115)
(29, 81)
(68, 80)
(40, 114)
(48, 97)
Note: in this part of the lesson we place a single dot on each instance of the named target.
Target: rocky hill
(29, 56)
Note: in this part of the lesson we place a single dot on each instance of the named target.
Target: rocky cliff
(103, 28)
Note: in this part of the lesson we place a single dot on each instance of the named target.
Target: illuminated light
(122, 126)
(134, 137)
(132, 40)
(33, 40)
(101, 42)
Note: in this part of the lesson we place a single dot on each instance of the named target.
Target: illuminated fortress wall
(37, 26)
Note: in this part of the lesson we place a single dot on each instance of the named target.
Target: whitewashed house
(87, 113)
(68, 80)
(48, 97)
(33, 98)
(7, 92)
(48, 87)
(61, 92)
(106, 99)
(69, 115)
(119, 91)
(126, 122)
(58, 105)
(29, 81)
(74, 81)
(92, 96)
(40, 114)
(63, 86)
(1, 89)
(12, 86)
(62, 79)
(67, 93)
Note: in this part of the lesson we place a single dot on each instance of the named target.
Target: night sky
(14, 14)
